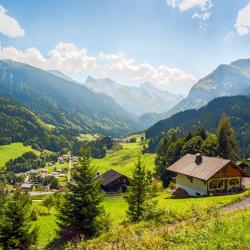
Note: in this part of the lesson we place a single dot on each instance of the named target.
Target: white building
(198, 175)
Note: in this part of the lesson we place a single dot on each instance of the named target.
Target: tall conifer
(82, 207)
(228, 146)
(139, 188)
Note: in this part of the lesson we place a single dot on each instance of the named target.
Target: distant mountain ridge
(236, 107)
(136, 100)
(63, 103)
(225, 80)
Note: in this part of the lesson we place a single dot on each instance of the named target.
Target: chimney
(198, 159)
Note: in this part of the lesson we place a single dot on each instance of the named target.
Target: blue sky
(128, 40)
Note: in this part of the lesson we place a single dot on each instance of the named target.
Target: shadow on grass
(64, 236)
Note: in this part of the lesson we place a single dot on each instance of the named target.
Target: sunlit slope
(124, 160)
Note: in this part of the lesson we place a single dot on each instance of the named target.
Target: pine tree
(200, 131)
(138, 192)
(82, 206)
(168, 152)
(209, 146)
(192, 146)
(15, 222)
(228, 146)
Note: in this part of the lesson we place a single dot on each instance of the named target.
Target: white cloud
(204, 7)
(64, 57)
(67, 58)
(243, 21)
(129, 69)
(9, 26)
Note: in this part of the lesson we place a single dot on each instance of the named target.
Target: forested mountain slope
(237, 108)
(61, 102)
(18, 124)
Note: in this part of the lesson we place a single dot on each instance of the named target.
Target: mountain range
(136, 100)
(225, 80)
(63, 103)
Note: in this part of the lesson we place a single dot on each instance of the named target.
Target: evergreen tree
(201, 132)
(192, 146)
(138, 192)
(3, 190)
(15, 222)
(188, 136)
(228, 146)
(168, 152)
(209, 146)
(82, 208)
(166, 156)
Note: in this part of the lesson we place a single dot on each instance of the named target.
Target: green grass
(12, 151)
(47, 229)
(182, 206)
(212, 232)
(88, 137)
(124, 160)
(116, 208)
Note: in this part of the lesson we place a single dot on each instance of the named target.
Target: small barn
(113, 181)
(198, 175)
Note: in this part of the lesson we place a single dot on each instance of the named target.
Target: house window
(190, 178)
(220, 184)
(213, 184)
(234, 182)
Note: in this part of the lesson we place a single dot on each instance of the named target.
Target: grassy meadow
(12, 151)
(209, 232)
(124, 159)
(177, 211)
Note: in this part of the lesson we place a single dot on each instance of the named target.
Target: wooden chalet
(198, 175)
(113, 181)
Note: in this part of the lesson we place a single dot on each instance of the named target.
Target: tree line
(171, 147)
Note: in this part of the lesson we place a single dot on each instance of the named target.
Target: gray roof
(204, 171)
(110, 176)
(27, 185)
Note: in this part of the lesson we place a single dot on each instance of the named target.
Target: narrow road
(240, 205)
(35, 193)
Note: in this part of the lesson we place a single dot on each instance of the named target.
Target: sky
(171, 43)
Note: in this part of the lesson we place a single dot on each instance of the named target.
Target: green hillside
(124, 160)
(236, 108)
(19, 124)
(63, 103)
(190, 213)
(12, 151)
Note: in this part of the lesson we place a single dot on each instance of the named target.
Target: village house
(113, 181)
(198, 175)
(25, 187)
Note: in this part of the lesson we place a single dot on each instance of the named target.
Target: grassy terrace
(12, 150)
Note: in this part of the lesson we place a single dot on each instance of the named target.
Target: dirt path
(240, 205)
